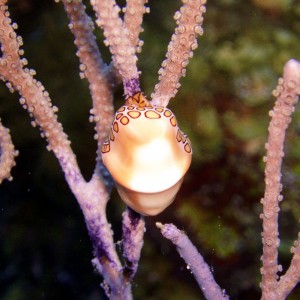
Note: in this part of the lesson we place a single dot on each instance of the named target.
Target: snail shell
(147, 155)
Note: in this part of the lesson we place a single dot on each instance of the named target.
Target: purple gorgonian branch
(133, 19)
(7, 154)
(189, 21)
(194, 261)
(117, 39)
(133, 240)
(92, 68)
(287, 94)
(91, 196)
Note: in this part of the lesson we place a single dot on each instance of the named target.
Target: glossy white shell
(147, 155)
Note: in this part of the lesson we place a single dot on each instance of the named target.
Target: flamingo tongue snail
(147, 155)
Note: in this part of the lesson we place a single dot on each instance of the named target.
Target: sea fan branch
(184, 41)
(117, 39)
(7, 154)
(133, 234)
(92, 67)
(292, 276)
(133, 18)
(34, 98)
(287, 93)
(194, 260)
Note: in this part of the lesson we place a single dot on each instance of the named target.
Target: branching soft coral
(122, 39)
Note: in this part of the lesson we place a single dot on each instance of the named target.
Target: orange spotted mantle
(147, 155)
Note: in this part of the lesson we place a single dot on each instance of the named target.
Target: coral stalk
(133, 234)
(184, 41)
(287, 93)
(292, 276)
(92, 196)
(117, 38)
(35, 98)
(92, 68)
(7, 154)
(133, 18)
(194, 260)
